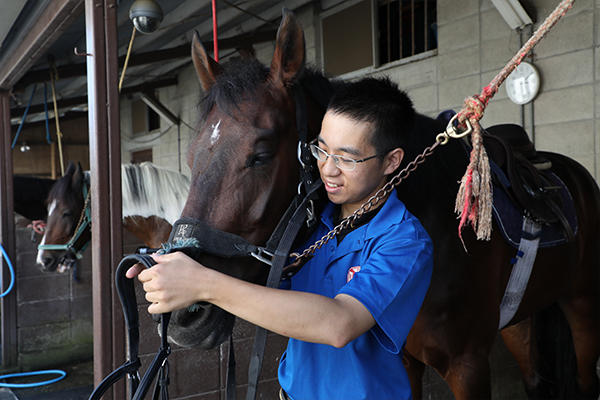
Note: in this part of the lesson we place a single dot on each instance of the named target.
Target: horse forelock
(149, 190)
(238, 79)
(62, 192)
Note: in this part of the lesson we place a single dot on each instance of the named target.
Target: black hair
(378, 101)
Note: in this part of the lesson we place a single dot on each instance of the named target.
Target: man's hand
(175, 282)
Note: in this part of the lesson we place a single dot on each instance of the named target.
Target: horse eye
(67, 214)
(259, 159)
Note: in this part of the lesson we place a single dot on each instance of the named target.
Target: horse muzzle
(206, 326)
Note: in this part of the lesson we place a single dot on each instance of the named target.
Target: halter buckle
(263, 255)
(311, 217)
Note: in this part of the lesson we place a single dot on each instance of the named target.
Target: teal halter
(84, 223)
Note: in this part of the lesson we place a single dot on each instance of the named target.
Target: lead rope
(474, 198)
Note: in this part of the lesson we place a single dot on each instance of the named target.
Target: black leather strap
(126, 292)
(279, 261)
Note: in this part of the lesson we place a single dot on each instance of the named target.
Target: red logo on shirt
(351, 272)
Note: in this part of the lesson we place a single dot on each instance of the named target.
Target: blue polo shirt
(385, 264)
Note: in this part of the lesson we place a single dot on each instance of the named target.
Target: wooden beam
(8, 303)
(75, 101)
(74, 70)
(54, 20)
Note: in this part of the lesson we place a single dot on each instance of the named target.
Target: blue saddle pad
(509, 217)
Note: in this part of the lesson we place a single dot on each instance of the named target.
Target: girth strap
(137, 388)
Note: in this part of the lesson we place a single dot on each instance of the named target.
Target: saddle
(524, 175)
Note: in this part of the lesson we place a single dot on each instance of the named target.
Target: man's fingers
(134, 271)
(155, 308)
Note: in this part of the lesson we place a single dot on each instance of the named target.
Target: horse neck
(151, 191)
(430, 191)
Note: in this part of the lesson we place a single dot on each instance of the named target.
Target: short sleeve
(393, 281)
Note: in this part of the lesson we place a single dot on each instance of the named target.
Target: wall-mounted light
(513, 13)
(146, 15)
(25, 147)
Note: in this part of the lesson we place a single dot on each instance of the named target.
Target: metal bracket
(263, 255)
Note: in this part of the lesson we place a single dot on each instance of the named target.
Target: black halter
(208, 240)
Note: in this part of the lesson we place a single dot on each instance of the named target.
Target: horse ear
(77, 177)
(70, 169)
(207, 69)
(288, 59)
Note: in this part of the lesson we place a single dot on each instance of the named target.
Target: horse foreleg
(583, 315)
(415, 370)
(468, 376)
(518, 340)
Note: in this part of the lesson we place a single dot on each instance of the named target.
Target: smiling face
(344, 136)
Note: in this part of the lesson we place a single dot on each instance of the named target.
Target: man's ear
(392, 160)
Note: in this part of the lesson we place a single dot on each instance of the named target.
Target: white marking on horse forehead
(51, 207)
(216, 133)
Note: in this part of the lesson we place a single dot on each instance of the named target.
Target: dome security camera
(146, 15)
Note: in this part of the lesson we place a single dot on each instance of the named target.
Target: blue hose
(12, 272)
(23, 118)
(61, 374)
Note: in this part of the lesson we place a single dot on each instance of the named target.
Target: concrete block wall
(474, 43)
(54, 325)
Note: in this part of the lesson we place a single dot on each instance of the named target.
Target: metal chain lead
(441, 139)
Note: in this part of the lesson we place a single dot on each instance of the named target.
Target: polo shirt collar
(392, 212)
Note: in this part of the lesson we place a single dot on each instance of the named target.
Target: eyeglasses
(345, 163)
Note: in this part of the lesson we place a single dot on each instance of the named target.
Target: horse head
(65, 205)
(243, 161)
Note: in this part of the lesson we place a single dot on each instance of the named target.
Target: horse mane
(149, 190)
(241, 77)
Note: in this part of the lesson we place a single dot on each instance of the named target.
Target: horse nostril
(47, 261)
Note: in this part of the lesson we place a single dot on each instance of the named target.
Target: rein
(159, 365)
(85, 219)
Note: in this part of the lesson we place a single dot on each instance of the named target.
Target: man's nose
(329, 167)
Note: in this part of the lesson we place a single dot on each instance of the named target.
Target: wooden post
(105, 160)
(8, 303)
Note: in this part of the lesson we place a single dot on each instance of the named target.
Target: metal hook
(452, 131)
(80, 53)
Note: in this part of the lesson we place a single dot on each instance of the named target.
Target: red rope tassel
(474, 198)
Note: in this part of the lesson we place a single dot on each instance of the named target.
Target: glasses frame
(336, 158)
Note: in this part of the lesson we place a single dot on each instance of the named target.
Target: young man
(350, 308)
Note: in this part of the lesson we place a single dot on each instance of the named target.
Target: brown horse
(152, 199)
(244, 174)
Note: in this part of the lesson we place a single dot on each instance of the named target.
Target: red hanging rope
(215, 36)
(474, 198)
